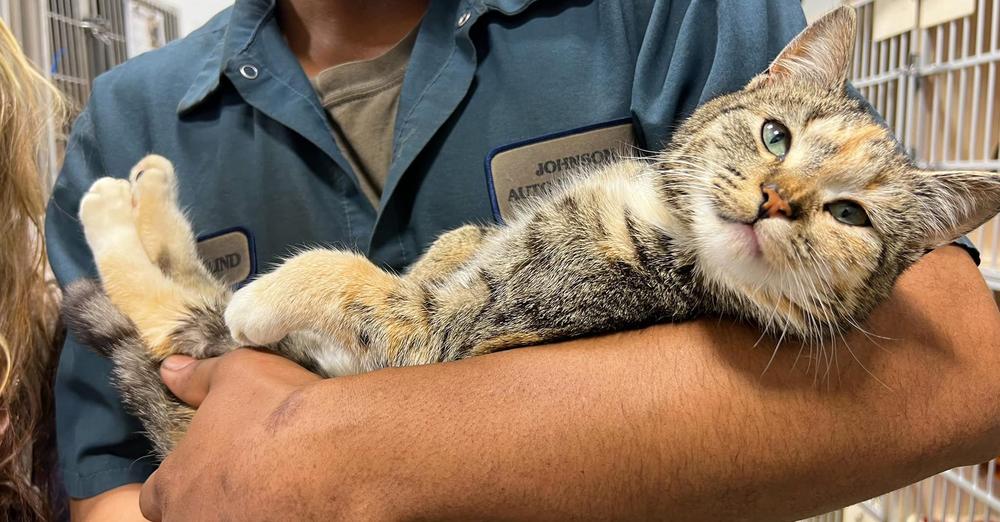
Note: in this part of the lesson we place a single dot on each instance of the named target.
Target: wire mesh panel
(882, 71)
(74, 41)
(938, 87)
(962, 94)
(88, 37)
(837, 516)
(70, 58)
(967, 494)
(107, 29)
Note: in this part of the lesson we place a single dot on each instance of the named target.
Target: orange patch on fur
(855, 141)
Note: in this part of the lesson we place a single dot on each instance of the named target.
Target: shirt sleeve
(966, 244)
(100, 446)
(693, 51)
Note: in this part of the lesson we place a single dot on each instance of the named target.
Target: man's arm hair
(677, 422)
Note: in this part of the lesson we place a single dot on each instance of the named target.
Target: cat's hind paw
(252, 321)
(155, 189)
(105, 210)
(152, 163)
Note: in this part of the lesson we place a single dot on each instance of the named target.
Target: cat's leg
(305, 291)
(164, 230)
(448, 252)
(169, 242)
(132, 282)
(379, 316)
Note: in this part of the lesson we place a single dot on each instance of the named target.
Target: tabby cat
(786, 203)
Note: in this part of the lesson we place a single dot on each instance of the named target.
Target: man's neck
(324, 33)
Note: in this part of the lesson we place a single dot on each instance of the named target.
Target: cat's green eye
(849, 213)
(776, 138)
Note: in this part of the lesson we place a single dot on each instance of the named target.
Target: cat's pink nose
(774, 204)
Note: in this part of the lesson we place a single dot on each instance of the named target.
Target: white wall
(194, 13)
(817, 8)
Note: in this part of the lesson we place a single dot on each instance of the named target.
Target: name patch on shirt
(229, 255)
(519, 172)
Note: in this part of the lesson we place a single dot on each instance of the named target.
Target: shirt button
(464, 18)
(249, 71)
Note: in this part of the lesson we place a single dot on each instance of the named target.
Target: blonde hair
(28, 299)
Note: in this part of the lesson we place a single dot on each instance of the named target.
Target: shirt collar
(245, 20)
(248, 16)
(507, 7)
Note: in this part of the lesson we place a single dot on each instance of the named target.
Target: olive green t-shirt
(361, 98)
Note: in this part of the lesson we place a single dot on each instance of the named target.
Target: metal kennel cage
(88, 37)
(930, 67)
(74, 41)
(968, 494)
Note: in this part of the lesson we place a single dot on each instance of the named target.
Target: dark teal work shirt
(231, 107)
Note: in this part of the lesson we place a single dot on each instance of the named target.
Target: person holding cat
(670, 422)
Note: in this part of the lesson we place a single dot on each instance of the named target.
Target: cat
(786, 203)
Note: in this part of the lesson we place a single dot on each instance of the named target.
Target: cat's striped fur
(689, 232)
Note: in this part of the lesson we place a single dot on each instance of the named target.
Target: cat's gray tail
(97, 323)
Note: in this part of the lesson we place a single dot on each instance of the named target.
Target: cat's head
(800, 207)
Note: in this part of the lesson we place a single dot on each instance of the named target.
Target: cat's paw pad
(252, 321)
(105, 207)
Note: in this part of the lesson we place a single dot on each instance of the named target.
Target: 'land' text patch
(228, 254)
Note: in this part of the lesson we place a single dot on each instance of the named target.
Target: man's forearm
(672, 422)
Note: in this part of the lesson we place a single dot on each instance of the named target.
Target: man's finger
(149, 501)
(189, 378)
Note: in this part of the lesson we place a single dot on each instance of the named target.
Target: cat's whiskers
(830, 318)
(814, 329)
(865, 368)
(777, 346)
(817, 311)
(704, 169)
(827, 274)
(774, 310)
(834, 326)
(701, 164)
(829, 315)
(787, 320)
(770, 318)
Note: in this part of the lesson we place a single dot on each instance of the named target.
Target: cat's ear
(954, 203)
(820, 55)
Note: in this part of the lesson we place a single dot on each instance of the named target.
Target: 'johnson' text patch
(521, 171)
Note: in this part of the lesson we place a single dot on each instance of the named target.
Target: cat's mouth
(743, 235)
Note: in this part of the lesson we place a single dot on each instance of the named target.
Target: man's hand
(243, 399)
(673, 422)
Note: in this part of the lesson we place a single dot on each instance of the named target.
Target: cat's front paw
(252, 320)
(106, 212)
